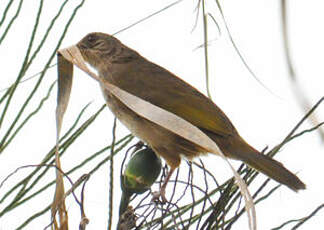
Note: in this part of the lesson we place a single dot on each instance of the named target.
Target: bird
(127, 69)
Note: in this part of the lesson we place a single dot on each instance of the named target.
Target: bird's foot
(159, 194)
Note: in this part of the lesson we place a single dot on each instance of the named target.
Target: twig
(300, 221)
(147, 17)
(288, 137)
(297, 88)
(84, 220)
(111, 173)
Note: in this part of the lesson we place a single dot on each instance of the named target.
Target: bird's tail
(238, 149)
(273, 169)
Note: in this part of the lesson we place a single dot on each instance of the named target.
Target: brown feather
(128, 70)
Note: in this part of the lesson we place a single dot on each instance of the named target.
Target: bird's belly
(167, 144)
(130, 119)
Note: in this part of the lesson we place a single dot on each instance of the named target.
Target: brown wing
(162, 88)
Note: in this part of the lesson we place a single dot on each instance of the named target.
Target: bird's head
(98, 49)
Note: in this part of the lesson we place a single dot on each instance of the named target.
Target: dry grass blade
(296, 86)
(65, 74)
(237, 49)
(206, 48)
(168, 121)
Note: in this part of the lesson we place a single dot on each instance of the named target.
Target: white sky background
(262, 118)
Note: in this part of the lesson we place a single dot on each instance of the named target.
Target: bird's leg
(161, 193)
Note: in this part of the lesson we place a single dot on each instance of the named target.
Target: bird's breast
(167, 144)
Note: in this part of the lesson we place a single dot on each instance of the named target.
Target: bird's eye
(91, 38)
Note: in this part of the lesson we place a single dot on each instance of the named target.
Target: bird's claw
(157, 195)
